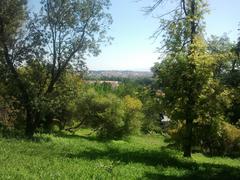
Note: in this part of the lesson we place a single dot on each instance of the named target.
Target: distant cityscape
(120, 74)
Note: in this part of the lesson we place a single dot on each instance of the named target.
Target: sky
(132, 47)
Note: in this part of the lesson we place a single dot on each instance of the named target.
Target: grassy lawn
(82, 156)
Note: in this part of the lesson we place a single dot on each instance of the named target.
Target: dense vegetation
(47, 101)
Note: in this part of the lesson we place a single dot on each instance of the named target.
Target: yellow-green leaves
(132, 104)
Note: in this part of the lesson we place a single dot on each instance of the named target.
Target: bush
(11, 116)
(153, 116)
(176, 133)
(217, 138)
(112, 121)
(133, 115)
(231, 139)
(103, 113)
(207, 135)
(112, 117)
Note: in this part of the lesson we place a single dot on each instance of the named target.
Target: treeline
(137, 80)
(114, 113)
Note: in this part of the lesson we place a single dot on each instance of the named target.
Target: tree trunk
(188, 139)
(30, 125)
(37, 119)
(48, 122)
(191, 102)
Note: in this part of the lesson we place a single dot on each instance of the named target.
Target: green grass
(82, 156)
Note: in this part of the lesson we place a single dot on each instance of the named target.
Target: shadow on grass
(78, 137)
(162, 158)
(202, 171)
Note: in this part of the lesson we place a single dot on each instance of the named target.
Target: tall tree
(12, 16)
(184, 50)
(71, 30)
(57, 38)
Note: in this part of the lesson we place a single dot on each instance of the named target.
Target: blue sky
(132, 49)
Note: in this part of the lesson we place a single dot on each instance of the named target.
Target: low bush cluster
(109, 115)
(217, 138)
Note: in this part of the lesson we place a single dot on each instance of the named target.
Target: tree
(227, 70)
(186, 57)
(71, 30)
(12, 16)
(56, 39)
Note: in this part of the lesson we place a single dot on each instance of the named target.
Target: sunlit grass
(83, 156)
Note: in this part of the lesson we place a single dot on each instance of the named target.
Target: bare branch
(150, 9)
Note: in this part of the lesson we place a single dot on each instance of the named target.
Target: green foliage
(128, 87)
(7, 114)
(62, 101)
(77, 32)
(108, 114)
(104, 113)
(112, 117)
(176, 78)
(227, 71)
(151, 109)
(133, 115)
(102, 88)
(190, 90)
(231, 139)
(214, 137)
(11, 117)
(149, 116)
(12, 14)
(38, 52)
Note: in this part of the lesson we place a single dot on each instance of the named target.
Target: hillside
(83, 156)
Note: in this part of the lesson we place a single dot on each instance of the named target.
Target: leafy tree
(56, 39)
(71, 30)
(186, 70)
(227, 71)
(15, 52)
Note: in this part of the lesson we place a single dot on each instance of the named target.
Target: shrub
(153, 116)
(133, 115)
(103, 113)
(111, 122)
(176, 133)
(207, 135)
(11, 114)
(231, 139)
(215, 138)
(112, 117)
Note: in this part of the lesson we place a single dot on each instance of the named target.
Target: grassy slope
(83, 157)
